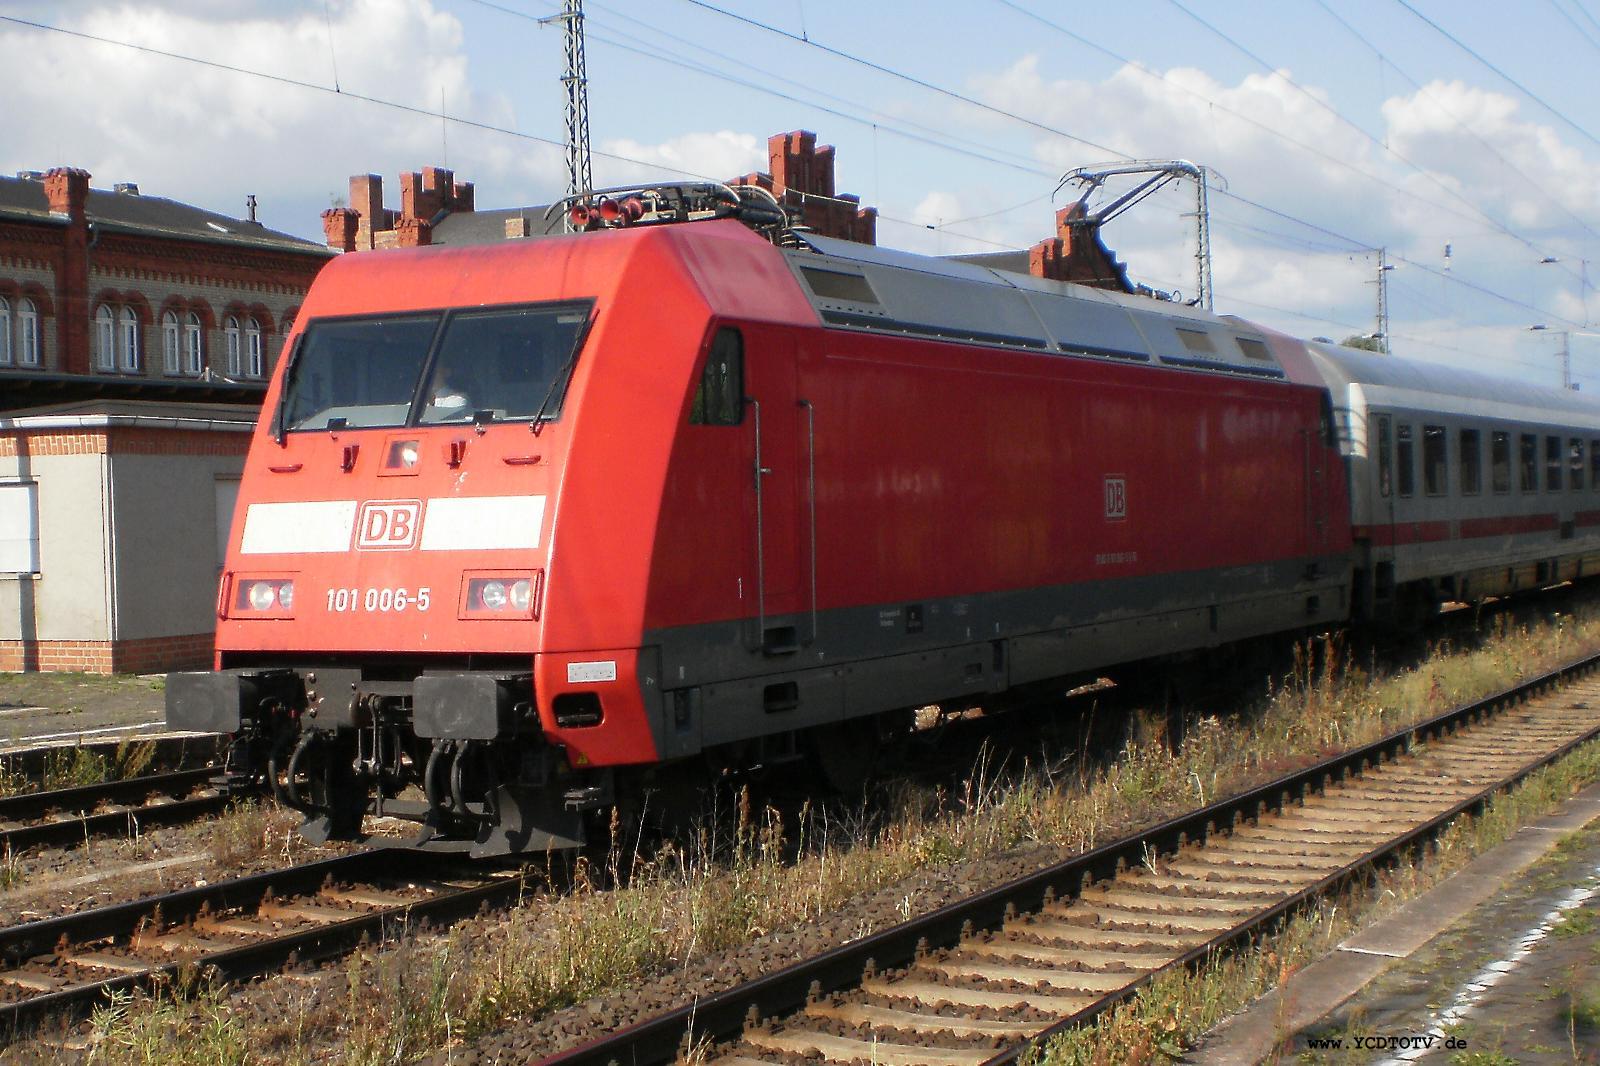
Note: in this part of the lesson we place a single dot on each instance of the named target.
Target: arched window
(230, 330)
(169, 342)
(5, 332)
(252, 335)
(105, 339)
(193, 344)
(130, 339)
(28, 346)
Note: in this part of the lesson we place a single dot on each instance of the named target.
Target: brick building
(437, 209)
(114, 293)
(136, 337)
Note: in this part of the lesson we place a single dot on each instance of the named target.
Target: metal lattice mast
(1383, 298)
(1202, 254)
(576, 80)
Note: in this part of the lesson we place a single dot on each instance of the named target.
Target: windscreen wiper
(572, 360)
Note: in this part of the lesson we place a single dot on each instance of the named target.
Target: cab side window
(719, 398)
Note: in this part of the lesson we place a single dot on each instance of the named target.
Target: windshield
(492, 365)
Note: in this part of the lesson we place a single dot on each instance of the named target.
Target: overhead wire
(1460, 123)
(648, 164)
(1523, 89)
(652, 50)
(1474, 213)
(912, 79)
(1454, 194)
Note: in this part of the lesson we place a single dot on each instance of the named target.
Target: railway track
(67, 816)
(232, 930)
(984, 980)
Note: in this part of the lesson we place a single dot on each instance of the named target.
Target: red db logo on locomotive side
(386, 525)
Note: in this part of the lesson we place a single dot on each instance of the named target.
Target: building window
(19, 528)
(169, 342)
(252, 336)
(230, 330)
(105, 339)
(5, 332)
(130, 339)
(28, 346)
(193, 344)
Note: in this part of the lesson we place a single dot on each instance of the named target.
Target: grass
(743, 876)
(75, 766)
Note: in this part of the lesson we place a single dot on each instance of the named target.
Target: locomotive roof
(883, 290)
(1388, 380)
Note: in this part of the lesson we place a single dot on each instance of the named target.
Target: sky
(1462, 138)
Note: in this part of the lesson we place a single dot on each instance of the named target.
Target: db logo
(1116, 498)
(387, 524)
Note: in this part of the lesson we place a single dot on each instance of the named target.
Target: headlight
(493, 595)
(261, 595)
(505, 594)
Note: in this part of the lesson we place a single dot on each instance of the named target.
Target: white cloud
(717, 155)
(1515, 169)
(209, 136)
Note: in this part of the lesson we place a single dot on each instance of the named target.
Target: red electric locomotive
(521, 523)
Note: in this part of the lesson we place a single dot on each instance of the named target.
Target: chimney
(366, 199)
(413, 233)
(339, 225)
(518, 226)
(68, 191)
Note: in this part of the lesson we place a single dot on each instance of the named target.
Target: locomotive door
(777, 427)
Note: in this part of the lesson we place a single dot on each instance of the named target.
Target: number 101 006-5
(376, 600)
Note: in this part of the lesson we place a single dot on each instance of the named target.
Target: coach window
(719, 398)
(1406, 474)
(1500, 461)
(1385, 459)
(1575, 464)
(1435, 461)
(1594, 464)
(1471, 463)
(1530, 463)
(1552, 464)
